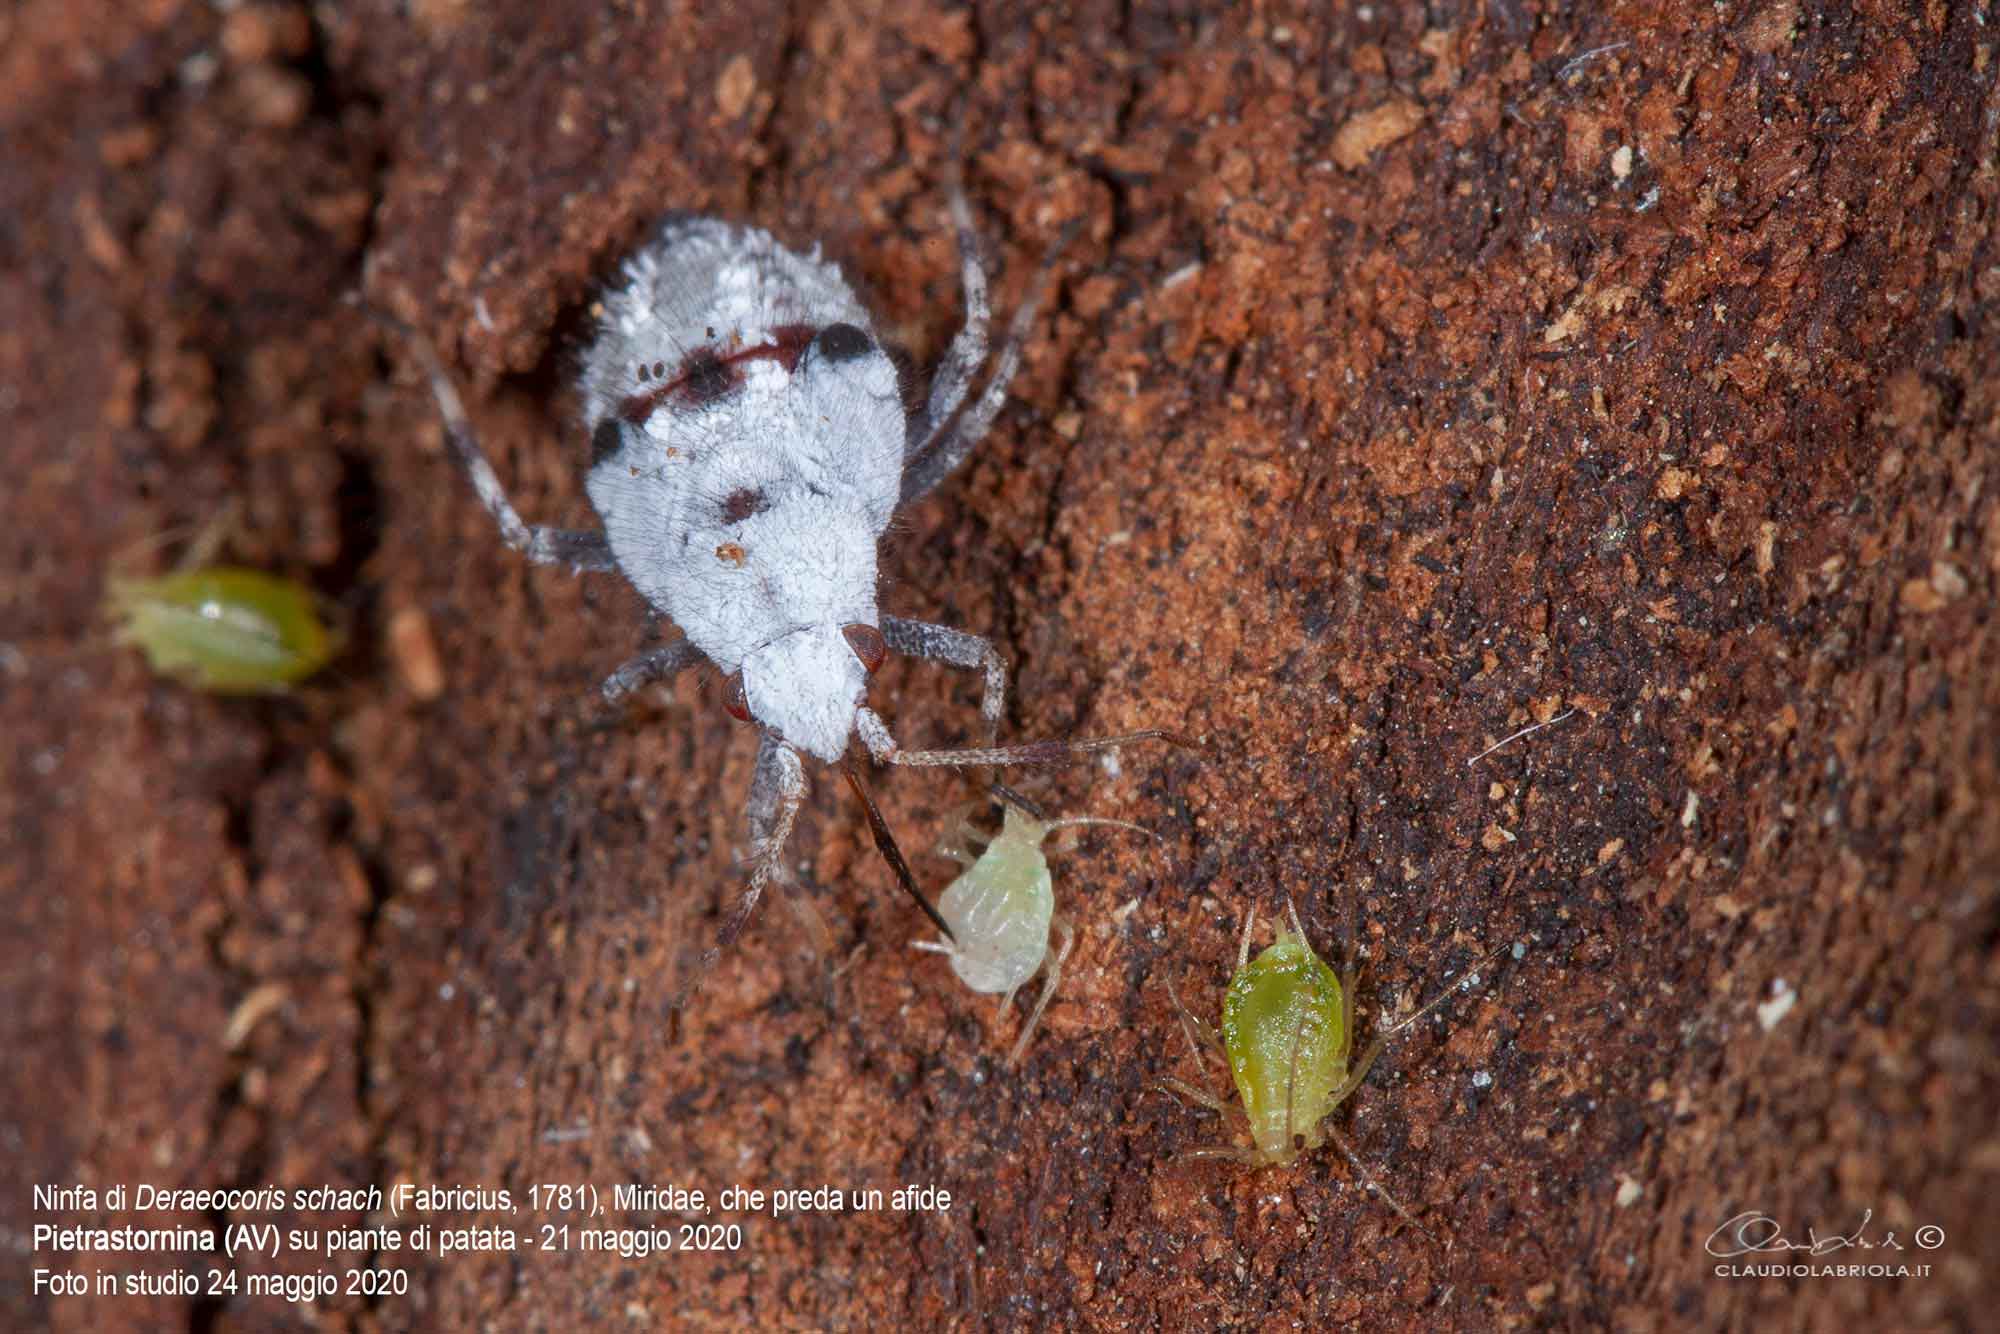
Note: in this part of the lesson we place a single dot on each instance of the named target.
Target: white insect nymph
(1002, 910)
(749, 446)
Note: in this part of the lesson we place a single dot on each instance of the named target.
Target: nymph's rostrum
(749, 446)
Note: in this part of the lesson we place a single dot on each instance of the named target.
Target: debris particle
(415, 652)
(736, 86)
(1783, 998)
(251, 1011)
(1674, 483)
(1767, 547)
(1357, 140)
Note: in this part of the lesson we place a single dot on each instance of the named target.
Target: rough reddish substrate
(1445, 435)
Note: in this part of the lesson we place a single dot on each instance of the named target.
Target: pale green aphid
(1002, 910)
(1287, 1034)
(222, 628)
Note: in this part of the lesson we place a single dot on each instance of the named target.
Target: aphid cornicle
(749, 445)
(1002, 908)
(1287, 1033)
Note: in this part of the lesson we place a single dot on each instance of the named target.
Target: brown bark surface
(1415, 376)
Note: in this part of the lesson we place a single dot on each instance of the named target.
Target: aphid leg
(660, 664)
(208, 541)
(1355, 1075)
(580, 549)
(962, 840)
(787, 782)
(1200, 1033)
(930, 458)
(1051, 979)
(1201, 1097)
(968, 350)
(954, 648)
(1368, 1180)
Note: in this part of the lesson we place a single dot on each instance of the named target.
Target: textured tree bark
(1405, 386)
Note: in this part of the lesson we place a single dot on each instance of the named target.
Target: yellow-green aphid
(1287, 1034)
(1285, 1027)
(222, 628)
(1002, 910)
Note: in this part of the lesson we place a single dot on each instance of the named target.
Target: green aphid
(1287, 1036)
(1286, 1028)
(1002, 908)
(223, 628)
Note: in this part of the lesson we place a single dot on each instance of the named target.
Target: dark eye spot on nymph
(842, 342)
(743, 502)
(604, 441)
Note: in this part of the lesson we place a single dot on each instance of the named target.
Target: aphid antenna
(1444, 995)
(1079, 821)
(885, 843)
(1368, 1180)
(1243, 946)
(1007, 796)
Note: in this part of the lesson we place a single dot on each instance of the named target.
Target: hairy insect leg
(876, 737)
(1052, 968)
(660, 664)
(580, 549)
(929, 459)
(968, 349)
(785, 782)
(954, 648)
